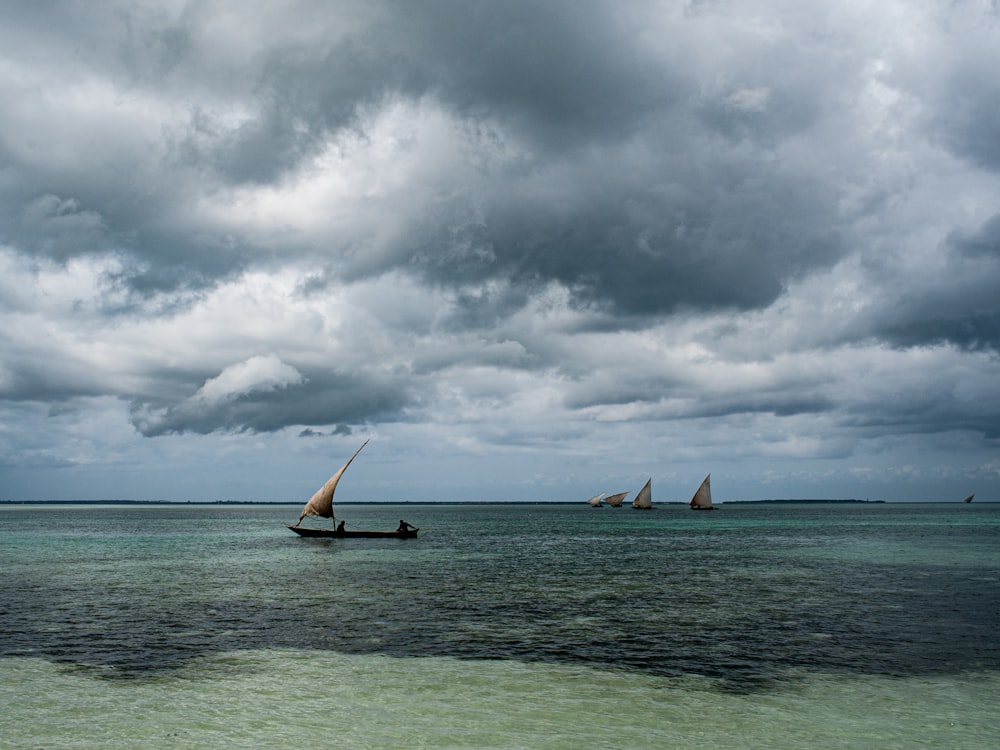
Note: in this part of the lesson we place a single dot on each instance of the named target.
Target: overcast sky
(533, 250)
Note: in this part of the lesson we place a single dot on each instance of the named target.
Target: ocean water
(501, 626)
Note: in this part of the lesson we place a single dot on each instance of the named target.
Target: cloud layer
(570, 242)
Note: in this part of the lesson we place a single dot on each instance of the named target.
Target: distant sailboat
(615, 501)
(969, 498)
(595, 501)
(320, 505)
(702, 499)
(644, 500)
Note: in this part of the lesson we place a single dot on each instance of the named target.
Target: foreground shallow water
(502, 626)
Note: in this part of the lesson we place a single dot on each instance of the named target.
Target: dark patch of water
(741, 597)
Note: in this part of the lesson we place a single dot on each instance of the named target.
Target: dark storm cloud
(654, 162)
(561, 74)
(656, 247)
(687, 221)
(939, 407)
(323, 399)
(972, 126)
(621, 196)
(558, 75)
(958, 303)
(683, 401)
(962, 92)
(982, 244)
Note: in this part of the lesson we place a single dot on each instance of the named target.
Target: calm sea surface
(528, 626)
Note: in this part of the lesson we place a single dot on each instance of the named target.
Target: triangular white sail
(702, 499)
(644, 500)
(320, 505)
(595, 501)
(615, 501)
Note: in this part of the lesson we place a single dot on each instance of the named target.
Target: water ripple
(759, 593)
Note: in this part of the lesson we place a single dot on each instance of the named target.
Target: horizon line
(804, 500)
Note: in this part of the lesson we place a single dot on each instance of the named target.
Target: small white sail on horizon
(320, 505)
(615, 501)
(595, 501)
(644, 499)
(702, 499)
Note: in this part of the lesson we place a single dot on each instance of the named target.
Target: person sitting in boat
(340, 527)
(404, 526)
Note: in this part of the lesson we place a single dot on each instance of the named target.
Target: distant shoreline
(790, 501)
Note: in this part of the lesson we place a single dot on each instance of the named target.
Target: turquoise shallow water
(502, 626)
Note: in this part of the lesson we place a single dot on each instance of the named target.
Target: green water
(282, 699)
(501, 626)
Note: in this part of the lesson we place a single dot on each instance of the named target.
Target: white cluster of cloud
(538, 250)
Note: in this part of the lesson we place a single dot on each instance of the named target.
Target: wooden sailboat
(320, 505)
(615, 501)
(338, 533)
(644, 499)
(595, 501)
(969, 498)
(702, 499)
